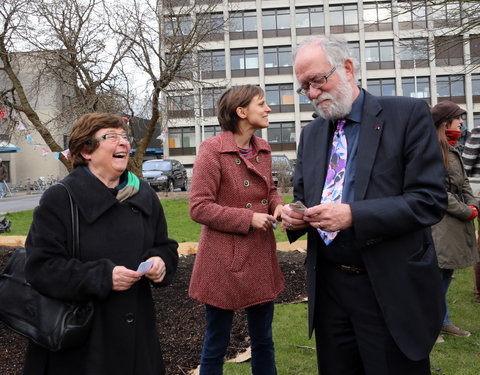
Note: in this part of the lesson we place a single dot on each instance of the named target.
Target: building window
(243, 25)
(449, 50)
(181, 141)
(178, 26)
(354, 48)
(416, 87)
(446, 14)
(212, 64)
(476, 119)
(211, 130)
(451, 88)
(310, 21)
(280, 97)
(276, 22)
(475, 49)
(377, 16)
(278, 60)
(210, 96)
(281, 136)
(476, 87)
(379, 54)
(413, 53)
(180, 105)
(185, 70)
(244, 62)
(343, 19)
(412, 15)
(214, 23)
(381, 87)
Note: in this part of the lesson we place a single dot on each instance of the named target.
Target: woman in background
(233, 195)
(454, 235)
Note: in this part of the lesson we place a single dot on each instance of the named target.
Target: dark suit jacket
(399, 194)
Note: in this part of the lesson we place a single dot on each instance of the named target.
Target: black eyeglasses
(316, 83)
(113, 137)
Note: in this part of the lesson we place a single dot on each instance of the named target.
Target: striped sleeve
(471, 153)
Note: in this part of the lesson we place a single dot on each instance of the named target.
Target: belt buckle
(351, 269)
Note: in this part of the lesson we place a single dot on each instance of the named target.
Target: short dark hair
(230, 100)
(83, 130)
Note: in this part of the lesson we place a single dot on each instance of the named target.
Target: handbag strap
(74, 216)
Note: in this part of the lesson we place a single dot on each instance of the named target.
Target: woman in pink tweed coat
(234, 197)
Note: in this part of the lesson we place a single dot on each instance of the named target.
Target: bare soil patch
(180, 319)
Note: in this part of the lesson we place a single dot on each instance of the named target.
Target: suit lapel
(322, 137)
(370, 134)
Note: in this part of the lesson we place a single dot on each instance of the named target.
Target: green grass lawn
(456, 356)
(294, 351)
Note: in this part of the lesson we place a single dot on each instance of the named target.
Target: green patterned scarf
(129, 188)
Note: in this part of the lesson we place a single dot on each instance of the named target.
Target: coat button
(238, 161)
(129, 318)
(248, 205)
(246, 183)
(264, 202)
(258, 159)
(134, 210)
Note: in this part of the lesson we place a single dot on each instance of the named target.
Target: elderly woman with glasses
(121, 225)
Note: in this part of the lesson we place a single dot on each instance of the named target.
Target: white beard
(340, 101)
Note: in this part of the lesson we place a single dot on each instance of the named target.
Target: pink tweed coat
(235, 267)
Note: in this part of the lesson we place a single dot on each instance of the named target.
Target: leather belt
(351, 269)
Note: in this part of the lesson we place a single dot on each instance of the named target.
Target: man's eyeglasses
(317, 83)
(113, 137)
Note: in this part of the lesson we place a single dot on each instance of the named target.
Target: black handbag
(48, 322)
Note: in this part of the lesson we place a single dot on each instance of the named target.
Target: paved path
(19, 202)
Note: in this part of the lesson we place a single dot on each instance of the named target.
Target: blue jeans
(446, 276)
(1, 188)
(217, 338)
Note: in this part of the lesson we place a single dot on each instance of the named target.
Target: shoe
(452, 330)
(440, 339)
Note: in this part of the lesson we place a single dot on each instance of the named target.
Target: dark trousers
(217, 338)
(350, 331)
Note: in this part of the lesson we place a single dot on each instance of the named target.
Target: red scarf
(453, 136)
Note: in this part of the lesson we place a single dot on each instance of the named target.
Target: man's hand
(329, 217)
(292, 220)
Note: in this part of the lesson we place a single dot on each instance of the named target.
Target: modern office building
(394, 42)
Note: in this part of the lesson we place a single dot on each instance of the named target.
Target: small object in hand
(298, 207)
(144, 267)
(274, 224)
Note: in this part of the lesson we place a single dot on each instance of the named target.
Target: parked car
(282, 171)
(166, 175)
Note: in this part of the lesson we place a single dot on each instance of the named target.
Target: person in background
(471, 160)
(454, 235)
(370, 173)
(233, 195)
(3, 177)
(121, 224)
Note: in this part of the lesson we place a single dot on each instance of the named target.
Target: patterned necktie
(332, 191)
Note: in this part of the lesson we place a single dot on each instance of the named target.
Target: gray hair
(335, 48)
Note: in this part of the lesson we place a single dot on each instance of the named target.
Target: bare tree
(452, 24)
(166, 37)
(67, 41)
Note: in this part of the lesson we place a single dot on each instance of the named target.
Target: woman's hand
(262, 221)
(277, 214)
(123, 278)
(158, 270)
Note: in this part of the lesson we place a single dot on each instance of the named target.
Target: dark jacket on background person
(454, 235)
(3, 172)
(123, 339)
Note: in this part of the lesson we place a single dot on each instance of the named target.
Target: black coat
(123, 339)
(399, 194)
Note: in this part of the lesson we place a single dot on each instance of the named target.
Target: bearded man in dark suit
(374, 289)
